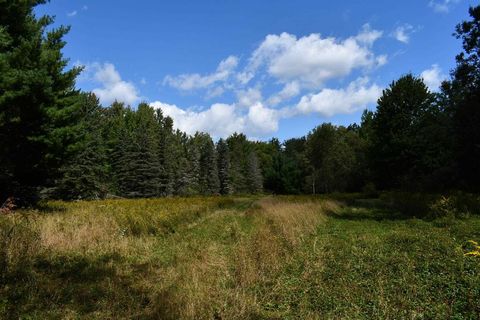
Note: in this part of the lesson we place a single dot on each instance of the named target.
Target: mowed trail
(237, 258)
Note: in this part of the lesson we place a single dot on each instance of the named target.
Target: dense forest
(59, 142)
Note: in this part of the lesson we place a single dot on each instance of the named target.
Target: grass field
(236, 258)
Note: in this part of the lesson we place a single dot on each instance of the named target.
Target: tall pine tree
(38, 101)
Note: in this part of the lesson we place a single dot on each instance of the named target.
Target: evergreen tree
(38, 102)
(84, 174)
(166, 154)
(181, 164)
(136, 164)
(254, 174)
(239, 151)
(148, 170)
(193, 182)
(296, 166)
(209, 183)
(223, 167)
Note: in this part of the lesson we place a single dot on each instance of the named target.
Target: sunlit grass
(236, 258)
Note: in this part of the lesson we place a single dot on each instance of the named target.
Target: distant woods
(58, 142)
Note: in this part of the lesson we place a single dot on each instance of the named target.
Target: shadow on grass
(367, 209)
(78, 284)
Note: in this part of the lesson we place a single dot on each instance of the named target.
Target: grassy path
(270, 258)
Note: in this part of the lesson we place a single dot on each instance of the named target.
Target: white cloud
(187, 82)
(433, 77)
(259, 120)
(215, 92)
(381, 60)
(221, 120)
(290, 90)
(72, 14)
(249, 97)
(442, 6)
(85, 8)
(329, 102)
(402, 33)
(262, 120)
(112, 86)
(368, 35)
(300, 65)
(312, 60)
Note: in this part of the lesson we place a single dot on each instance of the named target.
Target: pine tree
(193, 166)
(166, 154)
(223, 167)
(209, 183)
(84, 174)
(38, 102)
(254, 174)
(239, 149)
(148, 170)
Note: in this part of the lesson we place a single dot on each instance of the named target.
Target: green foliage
(421, 205)
(461, 97)
(84, 173)
(223, 167)
(398, 145)
(38, 102)
(61, 142)
(335, 158)
(244, 168)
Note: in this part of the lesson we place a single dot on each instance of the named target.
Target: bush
(421, 205)
(369, 190)
(409, 204)
(444, 206)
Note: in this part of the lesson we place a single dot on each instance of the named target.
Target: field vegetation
(287, 257)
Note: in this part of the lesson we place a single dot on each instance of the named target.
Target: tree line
(59, 142)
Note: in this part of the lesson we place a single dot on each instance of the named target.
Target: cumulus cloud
(262, 120)
(312, 60)
(193, 81)
(402, 33)
(112, 87)
(290, 90)
(368, 35)
(291, 65)
(249, 97)
(221, 120)
(433, 77)
(72, 13)
(442, 6)
(329, 102)
(259, 120)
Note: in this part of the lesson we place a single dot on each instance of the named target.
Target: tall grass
(235, 258)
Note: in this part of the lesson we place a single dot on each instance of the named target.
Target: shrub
(444, 206)
(369, 190)
(409, 204)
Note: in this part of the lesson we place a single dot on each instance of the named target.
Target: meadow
(270, 257)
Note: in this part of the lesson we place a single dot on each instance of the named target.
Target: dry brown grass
(211, 264)
(217, 283)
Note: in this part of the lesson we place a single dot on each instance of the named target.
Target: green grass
(237, 258)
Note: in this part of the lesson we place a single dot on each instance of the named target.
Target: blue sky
(265, 68)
